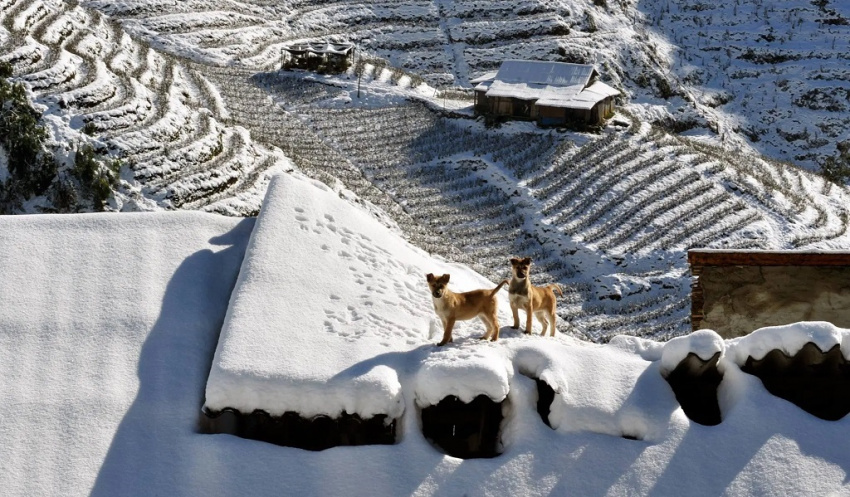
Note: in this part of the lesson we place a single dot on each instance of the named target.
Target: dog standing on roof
(451, 307)
(534, 300)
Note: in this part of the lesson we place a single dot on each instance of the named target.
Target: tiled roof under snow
(553, 84)
(108, 324)
(321, 48)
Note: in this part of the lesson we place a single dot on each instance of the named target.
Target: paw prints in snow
(370, 280)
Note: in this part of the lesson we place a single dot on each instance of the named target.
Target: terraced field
(608, 220)
(608, 216)
(156, 111)
(444, 41)
(771, 75)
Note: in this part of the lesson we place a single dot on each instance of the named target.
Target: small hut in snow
(319, 56)
(551, 93)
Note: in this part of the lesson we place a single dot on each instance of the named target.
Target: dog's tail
(496, 290)
(557, 288)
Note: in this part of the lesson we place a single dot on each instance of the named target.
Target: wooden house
(551, 93)
(319, 56)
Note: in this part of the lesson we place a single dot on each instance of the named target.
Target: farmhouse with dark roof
(318, 56)
(550, 93)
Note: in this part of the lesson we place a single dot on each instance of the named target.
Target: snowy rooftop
(109, 325)
(285, 308)
(553, 84)
(321, 47)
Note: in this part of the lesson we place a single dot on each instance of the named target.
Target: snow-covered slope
(766, 74)
(155, 111)
(106, 343)
(772, 71)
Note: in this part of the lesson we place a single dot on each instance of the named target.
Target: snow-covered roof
(553, 84)
(322, 47)
(585, 99)
(544, 73)
(108, 325)
(284, 308)
(487, 76)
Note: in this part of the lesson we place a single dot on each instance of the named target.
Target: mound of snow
(600, 389)
(703, 343)
(789, 339)
(467, 371)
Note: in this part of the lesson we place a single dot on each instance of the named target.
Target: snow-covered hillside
(158, 113)
(106, 345)
(771, 74)
(607, 215)
(773, 71)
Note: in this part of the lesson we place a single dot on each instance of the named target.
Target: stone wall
(736, 292)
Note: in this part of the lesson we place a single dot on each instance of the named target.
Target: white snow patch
(649, 350)
(600, 389)
(467, 371)
(789, 339)
(703, 343)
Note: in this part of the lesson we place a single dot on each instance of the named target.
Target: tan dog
(534, 300)
(451, 307)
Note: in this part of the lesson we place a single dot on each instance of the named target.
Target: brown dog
(453, 307)
(534, 300)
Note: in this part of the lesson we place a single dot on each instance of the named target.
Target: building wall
(482, 104)
(550, 116)
(578, 115)
(501, 106)
(511, 107)
(736, 300)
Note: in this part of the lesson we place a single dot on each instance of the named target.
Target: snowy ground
(110, 323)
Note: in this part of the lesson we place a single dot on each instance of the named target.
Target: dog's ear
(429, 277)
(444, 278)
(527, 260)
(514, 261)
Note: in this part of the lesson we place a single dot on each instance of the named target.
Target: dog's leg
(488, 326)
(447, 332)
(552, 322)
(529, 315)
(515, 311)
(544, 320)
(492, 322)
